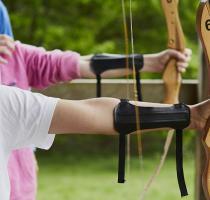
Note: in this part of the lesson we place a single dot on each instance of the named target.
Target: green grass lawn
(64, 177)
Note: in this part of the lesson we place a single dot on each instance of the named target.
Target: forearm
(146, 63)
(87, 72)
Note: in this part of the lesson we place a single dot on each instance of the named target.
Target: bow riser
(176, 36)
(203, 28)
(171, 77)
(172, 83)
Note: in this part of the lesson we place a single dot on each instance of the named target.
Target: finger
(188, 59)
(181, 57)
(11, 45)
(188, 55)
(5, 51)
(188, 52)
(5, 37)
(181, 70)
(8, 43)
(182, 66)
(3, 61)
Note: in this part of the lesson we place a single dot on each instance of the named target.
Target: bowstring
(138, 132)
(125, 27)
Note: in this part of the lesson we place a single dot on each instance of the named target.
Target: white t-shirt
(25, 119)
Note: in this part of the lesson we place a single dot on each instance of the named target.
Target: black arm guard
(102, 62)
(175, 117)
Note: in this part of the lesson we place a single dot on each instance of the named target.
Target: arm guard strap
(175, 117)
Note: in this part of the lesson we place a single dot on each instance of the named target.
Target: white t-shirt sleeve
(25, 118)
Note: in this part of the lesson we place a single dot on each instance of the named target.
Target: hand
(200, 116)
(7, 46)
(157, 62)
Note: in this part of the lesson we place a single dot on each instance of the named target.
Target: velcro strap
(179, 163)
(121, 159)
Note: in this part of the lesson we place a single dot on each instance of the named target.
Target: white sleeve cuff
(45, 139)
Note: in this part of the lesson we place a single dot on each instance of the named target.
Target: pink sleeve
(45, 68)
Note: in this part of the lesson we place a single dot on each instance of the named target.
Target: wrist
(154, 63)
(149, 63)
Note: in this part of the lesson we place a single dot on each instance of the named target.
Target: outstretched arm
(33, 116)
(96, 115)
(152, 62)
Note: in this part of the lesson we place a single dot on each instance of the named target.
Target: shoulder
(29, 114)
(17, 99)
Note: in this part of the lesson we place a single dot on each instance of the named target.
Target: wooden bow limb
(171, 77)
(203, 28)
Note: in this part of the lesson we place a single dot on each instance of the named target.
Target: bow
(172, 82)
(203, 28)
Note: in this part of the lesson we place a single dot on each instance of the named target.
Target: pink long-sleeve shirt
(34, 67)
